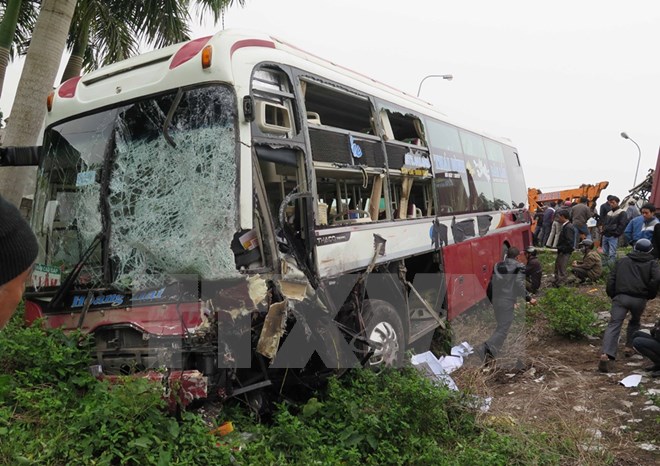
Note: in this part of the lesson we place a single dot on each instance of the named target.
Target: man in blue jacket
(642, 226)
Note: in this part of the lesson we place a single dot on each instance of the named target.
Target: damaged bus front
(136, 213)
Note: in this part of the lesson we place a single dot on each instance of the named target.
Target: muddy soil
(552, 383)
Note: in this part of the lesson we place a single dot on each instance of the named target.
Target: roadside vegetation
(52, 411)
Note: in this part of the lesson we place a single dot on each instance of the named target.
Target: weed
(569, 312)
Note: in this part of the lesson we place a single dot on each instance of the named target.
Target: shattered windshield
(156, 177)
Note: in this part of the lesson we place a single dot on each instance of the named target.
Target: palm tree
(157, 22)
(104, 32)
(18, 18)
(41, 65)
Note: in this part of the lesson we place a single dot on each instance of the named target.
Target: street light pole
(624, 135)
(447, 77)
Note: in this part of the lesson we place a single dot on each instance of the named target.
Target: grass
(53, 412)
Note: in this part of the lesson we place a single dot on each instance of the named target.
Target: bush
(53, 412)
(395, 418)
(570, 313)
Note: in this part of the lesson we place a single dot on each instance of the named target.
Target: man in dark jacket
(649, 346)
(613, 226)
(507, 284)
(538, 231)
(633, 280)
(564, 247)
(548, 218)
(533, 270)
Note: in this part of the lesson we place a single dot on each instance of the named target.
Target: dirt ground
(553, 384)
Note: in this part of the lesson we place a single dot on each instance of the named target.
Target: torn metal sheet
(273, 330)
(293, 290)
(257, 289)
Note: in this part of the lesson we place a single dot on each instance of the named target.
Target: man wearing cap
(591, 265)
(632, 282)
(18, 250)
(614, 224)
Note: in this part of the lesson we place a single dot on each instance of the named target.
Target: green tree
(104, 32)
(41, 65)
(99, 32)
(16, 25)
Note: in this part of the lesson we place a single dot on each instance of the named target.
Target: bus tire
(383, 326)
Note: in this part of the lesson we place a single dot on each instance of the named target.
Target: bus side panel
(485, 253)
(460, 278)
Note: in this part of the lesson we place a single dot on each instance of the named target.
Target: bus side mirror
(20, 156)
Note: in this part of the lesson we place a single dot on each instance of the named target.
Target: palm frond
(215, 7)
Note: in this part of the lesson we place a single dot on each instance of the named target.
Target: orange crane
(536, 197)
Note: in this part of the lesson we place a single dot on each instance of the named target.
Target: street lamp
(447, 77)
(624, 135)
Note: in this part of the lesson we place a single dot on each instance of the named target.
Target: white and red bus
(197, 203)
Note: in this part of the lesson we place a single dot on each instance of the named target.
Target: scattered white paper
(439, 369)
(631, 380)
(430, 365)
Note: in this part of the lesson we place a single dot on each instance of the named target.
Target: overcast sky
(560, 79)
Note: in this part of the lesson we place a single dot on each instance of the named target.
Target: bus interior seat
(313, 118)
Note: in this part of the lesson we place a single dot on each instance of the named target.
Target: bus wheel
(383, 327)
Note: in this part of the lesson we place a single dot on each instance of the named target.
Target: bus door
(279, 147)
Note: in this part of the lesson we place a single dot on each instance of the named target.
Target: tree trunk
(74, 65)
(27, 116)
(7, 31)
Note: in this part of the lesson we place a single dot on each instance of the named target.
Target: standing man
(591, 265)
(613, 226)
(538, 231)
(580, 214)
(642, 226)
(18, 250)
(506, 285)
(533, 271)
(564, 247)
(603, 210)
(633, 281)
(632, 211)
(548, 217)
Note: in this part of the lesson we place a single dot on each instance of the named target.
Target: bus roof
(156, 71)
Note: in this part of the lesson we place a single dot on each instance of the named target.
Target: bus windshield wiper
(73, 276)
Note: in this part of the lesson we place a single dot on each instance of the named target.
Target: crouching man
(591, 265)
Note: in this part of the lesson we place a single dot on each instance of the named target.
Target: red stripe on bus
(251, 43)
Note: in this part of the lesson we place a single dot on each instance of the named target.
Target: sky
(560, 79)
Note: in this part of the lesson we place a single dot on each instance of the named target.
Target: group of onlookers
(632, 280)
